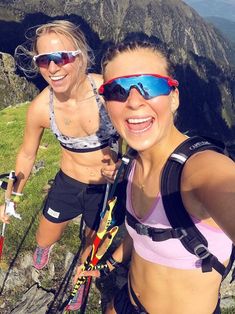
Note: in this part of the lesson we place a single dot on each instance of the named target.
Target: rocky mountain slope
(204, 58)
(112, 20)
(226, 27)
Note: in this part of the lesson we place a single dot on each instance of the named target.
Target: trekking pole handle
(9, 186)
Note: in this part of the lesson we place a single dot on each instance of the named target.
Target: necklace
(144, 183)
(140, 185)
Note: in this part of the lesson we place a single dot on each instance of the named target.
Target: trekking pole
(106, 224)
(105, 198)
(103, 228)
(109, 236)
(7, 204)
(3, 184)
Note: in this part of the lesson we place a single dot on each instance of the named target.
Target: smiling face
(62, 78)
(142, 123)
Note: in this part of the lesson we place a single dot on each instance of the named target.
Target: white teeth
(56, 78)
(141, 120)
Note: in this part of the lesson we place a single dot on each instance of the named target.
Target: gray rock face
(13, 88)
(34, 301)
(228, 292)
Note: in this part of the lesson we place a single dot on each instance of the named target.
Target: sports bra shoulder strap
(51, 105)
(93, 85)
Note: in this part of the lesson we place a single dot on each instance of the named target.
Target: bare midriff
(164, 290)
(86, 167)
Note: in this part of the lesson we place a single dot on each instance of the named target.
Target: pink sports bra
(171, 252)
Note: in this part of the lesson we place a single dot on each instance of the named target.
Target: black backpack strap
(176, 213)
(230, 264)
(232, 259)
(156, 234)
(130, 155)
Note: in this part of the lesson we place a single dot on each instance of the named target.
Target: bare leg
(110, 308)
(48, 232)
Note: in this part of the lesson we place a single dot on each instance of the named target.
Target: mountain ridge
(98, 15)
(227, 27)
(216, 8)
(203, 58)
(221, 14)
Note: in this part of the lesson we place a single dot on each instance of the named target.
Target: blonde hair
(25, 52)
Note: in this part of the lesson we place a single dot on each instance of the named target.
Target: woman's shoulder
(38, 107)
(42, 99)
(206, 167)
(204, 179)
(210, 159)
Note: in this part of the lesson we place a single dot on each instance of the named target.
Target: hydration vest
(183, 228)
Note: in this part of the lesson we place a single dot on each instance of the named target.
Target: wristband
(113, 262)
(16, 199)
(104, 271)
(17, 193)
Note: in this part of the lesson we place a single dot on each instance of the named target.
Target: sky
(218, 8)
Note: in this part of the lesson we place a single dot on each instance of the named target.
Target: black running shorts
(122, 302)
(69, 198)
(123, 305)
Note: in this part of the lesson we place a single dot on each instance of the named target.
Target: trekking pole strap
(3, 184)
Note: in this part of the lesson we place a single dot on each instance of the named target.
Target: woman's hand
(3, 217)
(109, 171)
(86, 273)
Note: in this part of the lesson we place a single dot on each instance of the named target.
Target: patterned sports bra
(105, 135)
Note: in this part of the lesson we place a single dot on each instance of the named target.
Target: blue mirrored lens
(148, 86)
(56, 57)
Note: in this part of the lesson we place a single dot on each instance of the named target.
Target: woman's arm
(28, 150)
(121, 255)
(212, 179)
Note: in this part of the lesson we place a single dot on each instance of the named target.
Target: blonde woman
(71, 107)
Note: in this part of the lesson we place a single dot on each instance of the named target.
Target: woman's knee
(49, 232)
